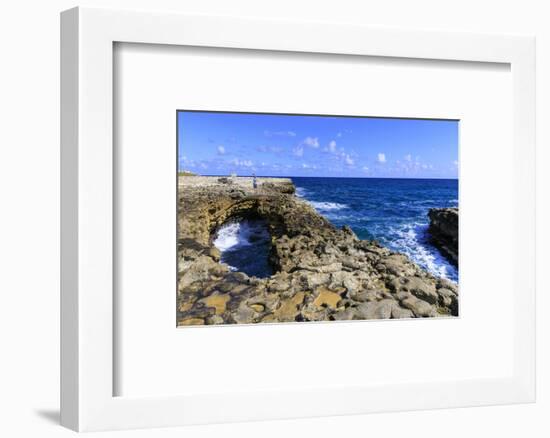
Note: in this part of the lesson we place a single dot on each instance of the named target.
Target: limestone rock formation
(321, 273)
(444, 231)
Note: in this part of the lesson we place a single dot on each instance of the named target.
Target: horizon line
(309, 176)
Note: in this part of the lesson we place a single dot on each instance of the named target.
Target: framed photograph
(275, 219)
(274, 225)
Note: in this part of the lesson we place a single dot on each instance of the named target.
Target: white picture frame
(87, 343)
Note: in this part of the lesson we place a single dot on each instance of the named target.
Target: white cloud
(221, 150)
(339, 134)
(279, 133)
(308, 166)
(332, 147)
(365, 169)
(242, 163)
(187, 162)
(348, 160)
(381, 157)
(455, 162)
(311, 142)
(298, 151)
(412, 166)
(273, 149)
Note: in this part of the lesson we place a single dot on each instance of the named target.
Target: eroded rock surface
(444, 231)
(321, 273)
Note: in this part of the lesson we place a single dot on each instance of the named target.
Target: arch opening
(245, 246)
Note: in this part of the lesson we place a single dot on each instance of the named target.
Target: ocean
(391, 211)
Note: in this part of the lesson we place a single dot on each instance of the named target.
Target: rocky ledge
(321, 273)
(444, 231)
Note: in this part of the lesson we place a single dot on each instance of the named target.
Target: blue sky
(289, 145)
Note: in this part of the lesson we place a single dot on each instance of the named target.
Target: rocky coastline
(321, 273)
(444, 231)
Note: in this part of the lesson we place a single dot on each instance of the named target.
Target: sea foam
(243, 246)
(412, 240)
(327, 206)
(234, 235)
(301, 192)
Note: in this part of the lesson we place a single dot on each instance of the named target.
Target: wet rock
(444, 231)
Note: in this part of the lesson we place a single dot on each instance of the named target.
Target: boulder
(420, 308)
(376, 309)
(443, 231)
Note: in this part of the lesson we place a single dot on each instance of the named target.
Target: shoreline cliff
(444, 231)
(321, 273)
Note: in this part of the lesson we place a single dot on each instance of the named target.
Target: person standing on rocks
(254, 182)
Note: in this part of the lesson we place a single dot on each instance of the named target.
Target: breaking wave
(244, 247)
(413, 241)
(327, 206)
(301, 192)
